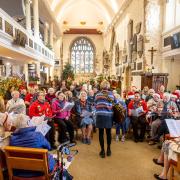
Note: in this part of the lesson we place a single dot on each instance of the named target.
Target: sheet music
(137, 112)
(174, 127)
(43, 128)
(68, 106)
(86, 113)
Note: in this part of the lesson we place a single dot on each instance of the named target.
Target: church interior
(72, 47)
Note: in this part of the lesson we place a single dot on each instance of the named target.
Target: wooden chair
(1, 173)
(2, 164)
(175, 167)
(27, 159)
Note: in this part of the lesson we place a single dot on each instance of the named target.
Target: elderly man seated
(26, 136)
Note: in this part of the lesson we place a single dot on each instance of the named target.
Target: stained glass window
(82, 56)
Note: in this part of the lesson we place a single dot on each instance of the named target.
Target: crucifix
(152, 50)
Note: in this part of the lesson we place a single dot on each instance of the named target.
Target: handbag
(118, 109)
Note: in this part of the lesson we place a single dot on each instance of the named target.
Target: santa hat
(157, 95)
(177, 93)
(174, 96)
(130, 95)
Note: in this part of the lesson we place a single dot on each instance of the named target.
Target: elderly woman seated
(83, 113)
(16, 104)
(166, 110)
(169, 151)
(26, 136)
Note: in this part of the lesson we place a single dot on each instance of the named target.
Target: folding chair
(22, 158)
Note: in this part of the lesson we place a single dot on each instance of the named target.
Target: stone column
(51, 72)
(46, 34)
(36, 18)
(25, 72)
(51, 35)
(28, 16)
(38, 71)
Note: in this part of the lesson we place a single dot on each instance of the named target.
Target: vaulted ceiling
(85, 13)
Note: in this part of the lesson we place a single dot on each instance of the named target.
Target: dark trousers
(50, 136)
(163, 129)
(138, 123)
(63, 127)
(101, 137)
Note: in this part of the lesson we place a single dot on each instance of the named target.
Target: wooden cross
(152, 50)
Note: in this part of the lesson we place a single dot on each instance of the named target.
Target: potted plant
(33, 79)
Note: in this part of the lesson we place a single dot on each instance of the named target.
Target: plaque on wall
(130, 52)
(105, 59)
(135, 42)
(8, 28)
(1, 23)
(130, 30)
(124, 59)
(167, 41)
(117, 55)
(120, 57)
(139, 66)
(138, 28)
(30, 43)
(133, 66)
(134, 56)
(20, 38)
(140, 46)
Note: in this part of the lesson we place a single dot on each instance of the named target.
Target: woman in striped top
(104, 116)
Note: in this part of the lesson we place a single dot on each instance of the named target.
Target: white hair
(14, 92)
(167, 95)
(151, 90)
(82, 92)
(18, 120)
(51, 90)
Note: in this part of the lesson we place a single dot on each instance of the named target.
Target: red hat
(176, 94)
(130, 95)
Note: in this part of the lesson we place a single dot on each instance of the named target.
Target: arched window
(82, 56)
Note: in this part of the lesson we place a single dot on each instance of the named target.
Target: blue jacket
(28, 137)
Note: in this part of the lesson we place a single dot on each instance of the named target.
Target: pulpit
(154, 80)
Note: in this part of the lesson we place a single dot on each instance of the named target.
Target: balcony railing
(9, 27)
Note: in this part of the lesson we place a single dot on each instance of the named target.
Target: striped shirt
(102, 104)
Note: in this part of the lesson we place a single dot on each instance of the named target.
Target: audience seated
(166, 155)
(62, 118)
(83, 111)
(16, 104)
(139, 119)
(25, 136)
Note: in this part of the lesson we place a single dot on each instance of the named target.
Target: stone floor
(129, 161)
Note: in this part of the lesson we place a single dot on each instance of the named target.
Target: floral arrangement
(15, 82)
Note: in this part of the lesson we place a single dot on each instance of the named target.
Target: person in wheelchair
(83, 113)
(26, 136)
